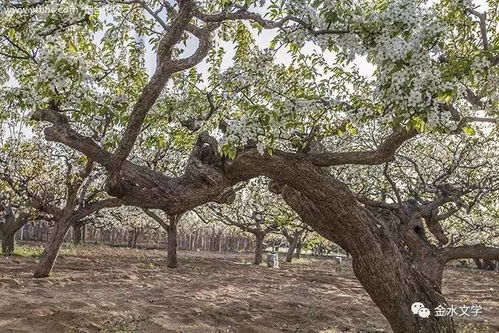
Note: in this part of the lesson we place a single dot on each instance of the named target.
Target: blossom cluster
(60, 68)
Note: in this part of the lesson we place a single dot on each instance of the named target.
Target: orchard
(360, 132)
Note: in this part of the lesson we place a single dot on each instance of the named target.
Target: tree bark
(8, 242)
(136, 234)
(478, 263)
(171, 259)
(298, 250)
(259, 237)
(10, 226)
(67, 217)
(379, 262)
(49, 255)
(293, 240)
(78, 233)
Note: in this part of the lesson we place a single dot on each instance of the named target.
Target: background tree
(169, 224)
(253, 211)
(40, 178)
(295, 233)
(12, 222)
(75, 206)
(26, 181)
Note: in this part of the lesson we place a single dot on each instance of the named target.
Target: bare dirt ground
(101, 289)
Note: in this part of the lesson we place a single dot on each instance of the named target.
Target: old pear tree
(279, 110)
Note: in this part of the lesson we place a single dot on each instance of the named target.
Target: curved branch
(384, 153)
(149, 94)
(243, 14)
(204, 37)
(156, 218)
(477, 251)
(95, 207)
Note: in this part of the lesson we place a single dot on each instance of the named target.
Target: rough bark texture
(8, 242)
(171, 260)
(380, 260)
(10, 226)
(381, 267)
(49, 255)
(259, 237)
(79, 233)
(332, 210)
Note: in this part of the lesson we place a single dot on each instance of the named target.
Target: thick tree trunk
(171, 260)
(394, 285)
(379, 262)
(259, 237)
(8, 242)
(431, 264)
(49, 255)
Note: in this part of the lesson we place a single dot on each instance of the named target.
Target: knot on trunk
(205, 162)
(115, 187)
(207, 165)
(206, 151)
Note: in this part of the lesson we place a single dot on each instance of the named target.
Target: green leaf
(12, 33)
(71, 46)
(469, 130)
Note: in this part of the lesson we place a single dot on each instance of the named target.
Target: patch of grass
(34, 251)
(302, 261)
(28, 250)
